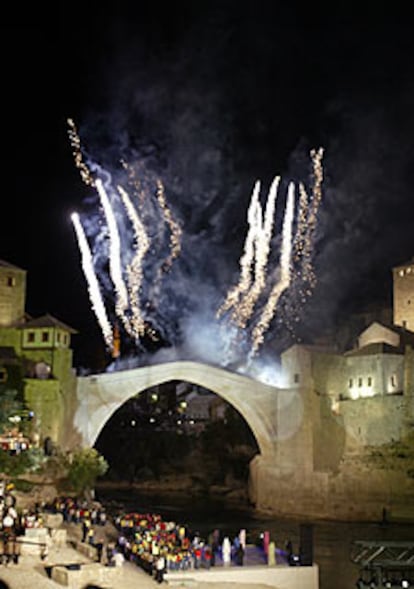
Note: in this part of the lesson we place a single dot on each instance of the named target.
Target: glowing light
(77, 153)
(139, 239)
(247, 258)
(115, 266)
(175, 238)
(307, 274)
(92, 281)
(134, 270)
(244, 311)
(303, 275)
(284, 280)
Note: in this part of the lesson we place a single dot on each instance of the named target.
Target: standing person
(85, 529)
(239, 555)
(242, 538)
(226, 551)
(160, 568)
(207, 556)
(289, 551)
(271, 556)
(266, 540)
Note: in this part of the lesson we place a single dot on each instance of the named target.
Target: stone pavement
(31, 572)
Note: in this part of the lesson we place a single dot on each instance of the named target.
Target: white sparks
(115, 264)
(92, 281)
(284, 280)
(134, 270)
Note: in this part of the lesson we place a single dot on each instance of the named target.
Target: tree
(86, 465)
(9, 406)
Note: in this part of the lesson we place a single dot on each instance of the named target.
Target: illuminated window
(369, 381)
(351, 383)
(296, 378)
(360, 382)
(401, 272)
(31, 336)
(45, 336)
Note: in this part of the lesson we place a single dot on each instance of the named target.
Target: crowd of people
(147, 540)
(13, 523)
(158, 546)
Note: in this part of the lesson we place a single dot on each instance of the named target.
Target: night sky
(211, 95)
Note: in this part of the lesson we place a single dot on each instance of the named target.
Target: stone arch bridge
(99, 396)
(277, 417)
(307, 465)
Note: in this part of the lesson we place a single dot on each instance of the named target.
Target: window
(31, 337)
(393, 380)
(296, 378)
(404, 324)
(351, 383)
(360, 382)
(45, 336)
(11, 281)
(3, 375)
(58, 337)
(65, 339)
(369, 381)
(408, 302)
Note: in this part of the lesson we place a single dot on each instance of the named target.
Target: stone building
(344, 448)
(403, 289)
(39, 349)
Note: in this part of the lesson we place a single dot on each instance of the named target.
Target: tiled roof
(47, 321)
(375, 348)
(4, 264)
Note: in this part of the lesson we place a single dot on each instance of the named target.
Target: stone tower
(12, 294)
(403, 284)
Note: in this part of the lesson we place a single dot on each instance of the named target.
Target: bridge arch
(100, 396)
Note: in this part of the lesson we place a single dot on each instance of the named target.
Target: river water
(332, 541)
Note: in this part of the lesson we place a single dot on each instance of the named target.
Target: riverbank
(179, 486)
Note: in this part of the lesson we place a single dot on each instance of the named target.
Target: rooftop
(47, 321)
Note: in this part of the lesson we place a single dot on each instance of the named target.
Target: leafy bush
(85, 466)
(16, 464)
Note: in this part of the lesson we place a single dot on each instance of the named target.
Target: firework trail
(285, 262)
(77, 154)
(141, 183)
(149, 225)
(93, 285)
(134, 270)
(246, 261)
(303, 275)
(308, 275)
(175, 229)
(263, 237)
(138, 240)
(115, 262)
